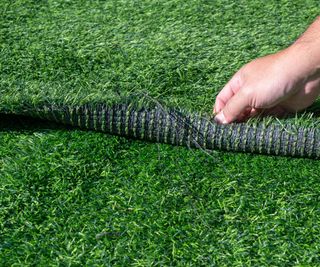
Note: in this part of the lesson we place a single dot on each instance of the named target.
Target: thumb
(233, 108)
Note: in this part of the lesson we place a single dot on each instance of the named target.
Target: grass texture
(75, 198)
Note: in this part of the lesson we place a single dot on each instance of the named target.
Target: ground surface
(77, 198)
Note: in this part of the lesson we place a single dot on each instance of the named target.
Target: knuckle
(248, 93)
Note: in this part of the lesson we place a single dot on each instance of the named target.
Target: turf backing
(77, 198)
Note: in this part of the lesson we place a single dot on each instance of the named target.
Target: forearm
(306, 51)
(312, 34)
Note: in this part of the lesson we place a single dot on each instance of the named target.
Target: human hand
(277, 84)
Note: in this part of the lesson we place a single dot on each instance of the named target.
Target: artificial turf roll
(175, 127)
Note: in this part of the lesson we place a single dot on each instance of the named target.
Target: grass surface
(77, 198)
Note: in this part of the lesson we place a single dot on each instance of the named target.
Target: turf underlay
(70, 197)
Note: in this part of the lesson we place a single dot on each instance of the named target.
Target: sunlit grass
(69, 197)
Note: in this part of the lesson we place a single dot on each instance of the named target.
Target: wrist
(304, 58)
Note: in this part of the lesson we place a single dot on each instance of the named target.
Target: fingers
(248, 113)
(277, 111)
(227, 92)
(234, 108)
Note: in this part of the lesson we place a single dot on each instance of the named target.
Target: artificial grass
(81, 198)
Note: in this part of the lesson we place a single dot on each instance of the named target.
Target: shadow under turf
(24, 123)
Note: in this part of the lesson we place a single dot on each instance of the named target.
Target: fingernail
(220, 118)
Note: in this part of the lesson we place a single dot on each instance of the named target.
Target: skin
(277, 84)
